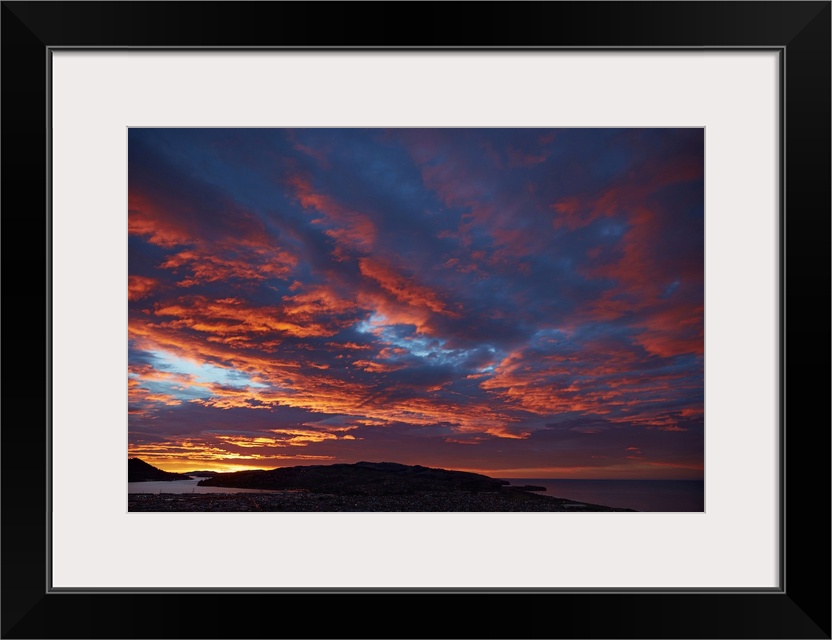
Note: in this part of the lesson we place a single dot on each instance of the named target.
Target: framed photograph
(526, 243)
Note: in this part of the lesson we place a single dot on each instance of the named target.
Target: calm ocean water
(641, 495)
(181, 486)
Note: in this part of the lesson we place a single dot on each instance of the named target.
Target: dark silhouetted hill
(139, 471)
(361, 478)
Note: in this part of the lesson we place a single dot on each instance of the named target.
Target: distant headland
(140, 471)
(361, 478)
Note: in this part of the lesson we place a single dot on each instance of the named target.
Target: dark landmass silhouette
(361, 478)
(140, 471)
(363, 486)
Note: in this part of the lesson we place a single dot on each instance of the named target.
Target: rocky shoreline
(505, 500)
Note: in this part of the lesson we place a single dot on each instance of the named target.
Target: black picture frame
(799, 31)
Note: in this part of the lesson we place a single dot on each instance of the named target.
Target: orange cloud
(317, 301)
(377, 367)
(146, 219)
(402, 288)
(139, 286)
(223, 263)
(351, 228)
(233, 316)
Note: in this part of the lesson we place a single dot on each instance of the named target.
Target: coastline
(303, 501)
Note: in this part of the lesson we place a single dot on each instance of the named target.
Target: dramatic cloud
(519, 302)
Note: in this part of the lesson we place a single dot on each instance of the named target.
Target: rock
(140, 471)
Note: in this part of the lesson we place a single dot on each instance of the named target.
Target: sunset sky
(514, 302)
